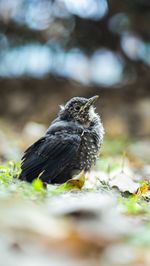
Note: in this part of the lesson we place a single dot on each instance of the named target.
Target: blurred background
(52, 50)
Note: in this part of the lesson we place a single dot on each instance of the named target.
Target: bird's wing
(49, 156)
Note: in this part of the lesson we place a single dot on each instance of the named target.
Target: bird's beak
(91, 101)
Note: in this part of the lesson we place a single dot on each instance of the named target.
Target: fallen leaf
(124, 183)
(74, 183)
(78, 181)
(37, 184)
(143, 188)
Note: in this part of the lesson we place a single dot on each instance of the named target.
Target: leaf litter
(98, 218)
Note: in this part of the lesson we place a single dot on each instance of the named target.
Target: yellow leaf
(75, 183)
(143, 188)
(78, 181)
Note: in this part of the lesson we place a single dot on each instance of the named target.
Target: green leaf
(37, 184)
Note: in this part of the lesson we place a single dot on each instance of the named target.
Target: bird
(70, 145)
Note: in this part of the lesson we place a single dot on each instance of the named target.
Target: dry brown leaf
(124, 183)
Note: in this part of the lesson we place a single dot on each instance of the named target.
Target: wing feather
(49, 156)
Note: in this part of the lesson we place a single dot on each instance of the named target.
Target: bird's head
(79, 109)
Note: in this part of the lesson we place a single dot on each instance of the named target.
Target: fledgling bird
(70, 145)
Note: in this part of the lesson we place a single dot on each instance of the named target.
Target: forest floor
(102, 221)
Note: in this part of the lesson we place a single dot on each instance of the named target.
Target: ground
(104, 221)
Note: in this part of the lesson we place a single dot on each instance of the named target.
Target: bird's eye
(77, 108)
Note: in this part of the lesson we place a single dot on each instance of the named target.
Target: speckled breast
(88, 151)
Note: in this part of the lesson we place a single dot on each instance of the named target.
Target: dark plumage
(70, 145)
